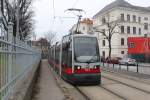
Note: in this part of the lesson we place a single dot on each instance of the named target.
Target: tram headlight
(96, 66)
(78, 67)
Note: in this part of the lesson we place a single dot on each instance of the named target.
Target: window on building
(139, 19)
(134, 30)
(122, 17)
(103, 43)
(128, 29)
(122, 41)
(122, 29)
(122, 52)
(103, 53)
(131, 45)
(134, 18)
(145, 18)
(139, 31)
(128, 17)
(103, 20)
(146, 26)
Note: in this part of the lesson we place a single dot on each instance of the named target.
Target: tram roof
(81, 35)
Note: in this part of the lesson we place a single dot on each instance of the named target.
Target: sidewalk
(46, 88)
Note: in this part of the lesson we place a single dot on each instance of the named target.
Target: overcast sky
(45, 12)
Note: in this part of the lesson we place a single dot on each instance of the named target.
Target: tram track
(139, 85)
(108, 90)
(100, 93)
(137, 79)
(81, 92)
(128, 85)
(120, 96)
(123, 89)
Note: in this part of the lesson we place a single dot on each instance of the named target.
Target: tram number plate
(87, 69)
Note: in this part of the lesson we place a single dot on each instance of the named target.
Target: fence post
(137, 67)
(10, 49)
(113, 65)
(127, 67)
(119, 66)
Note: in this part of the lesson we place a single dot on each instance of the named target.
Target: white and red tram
(77, 59)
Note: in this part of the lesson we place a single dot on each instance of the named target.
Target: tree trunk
(109, 43)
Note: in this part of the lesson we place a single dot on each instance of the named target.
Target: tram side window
(66, 54)
(69, 51)
(58, 52)
(56, 55)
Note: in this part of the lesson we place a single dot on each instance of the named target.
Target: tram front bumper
(86, 78)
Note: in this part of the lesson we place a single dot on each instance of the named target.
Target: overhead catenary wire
(53, 9)
(61, 18)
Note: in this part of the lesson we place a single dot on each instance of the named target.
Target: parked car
(128, 61)
(115, 60)
(112, 60)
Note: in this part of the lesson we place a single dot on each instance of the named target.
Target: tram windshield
(86, 49)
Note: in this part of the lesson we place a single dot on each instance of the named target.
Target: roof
(122, 3)
(87, 21)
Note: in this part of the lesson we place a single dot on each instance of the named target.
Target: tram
(77, 59)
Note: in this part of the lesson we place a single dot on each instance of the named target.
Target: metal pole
(119, 66)
(127, 67)
(17, 26)
(137, 67)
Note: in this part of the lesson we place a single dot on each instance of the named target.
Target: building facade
(85, 26)
(132, 21)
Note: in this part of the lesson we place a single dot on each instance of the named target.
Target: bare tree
(25, 16)
(2, 5)
(109, 31)
(44, 44)
(51, 37)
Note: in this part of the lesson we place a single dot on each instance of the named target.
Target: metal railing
(16, 60)
(138, 68)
